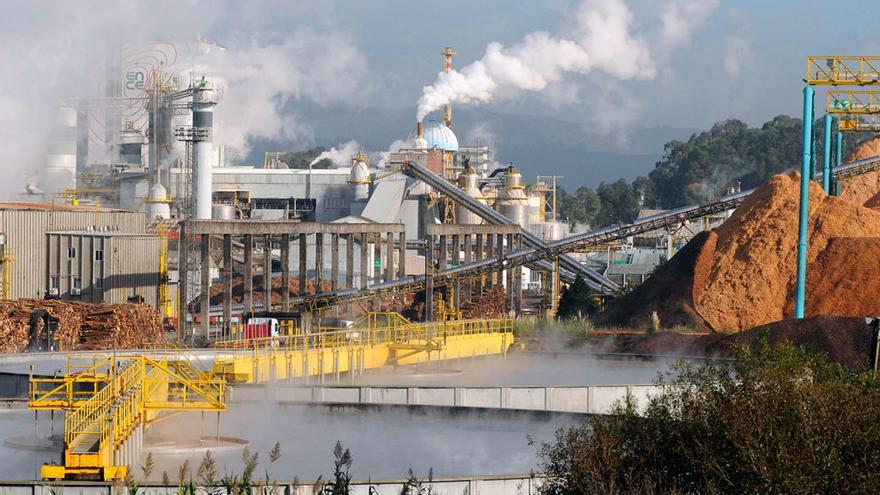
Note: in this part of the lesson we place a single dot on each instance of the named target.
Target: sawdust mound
(845, 340)
(670, 291)
(862, 188)
(752, 270)
(845, 279)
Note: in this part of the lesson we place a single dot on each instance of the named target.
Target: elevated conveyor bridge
(542, 252)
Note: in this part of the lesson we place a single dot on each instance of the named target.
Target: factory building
(25, 226)
(103, 265)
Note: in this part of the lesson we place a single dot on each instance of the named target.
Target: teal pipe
(826, 157)
(805, 204)
(839, 152)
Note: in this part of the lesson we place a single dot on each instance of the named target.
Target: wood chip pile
(81, 325)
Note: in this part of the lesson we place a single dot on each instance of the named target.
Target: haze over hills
(537, 144)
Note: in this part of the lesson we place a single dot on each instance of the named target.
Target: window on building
(99, 283)
(99, 255)
(71, 252)
(77, 283)
(54, 282)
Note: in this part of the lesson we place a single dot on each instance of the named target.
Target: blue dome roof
(440, 136)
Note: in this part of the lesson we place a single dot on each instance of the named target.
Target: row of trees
(696, 170)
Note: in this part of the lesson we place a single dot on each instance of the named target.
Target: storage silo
(513, 202)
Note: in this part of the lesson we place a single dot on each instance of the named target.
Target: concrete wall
(523, 484)
(586, 399)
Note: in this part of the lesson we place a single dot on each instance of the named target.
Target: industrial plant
(166, 305)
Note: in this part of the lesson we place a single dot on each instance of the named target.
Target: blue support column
(839, 153)
(826, 157)
(803, 214)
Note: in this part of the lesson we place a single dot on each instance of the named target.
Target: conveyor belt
(550, 250)
(596, 280)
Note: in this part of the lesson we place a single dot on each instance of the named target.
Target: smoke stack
(420, 142)
(448, 52)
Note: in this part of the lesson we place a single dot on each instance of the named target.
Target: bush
(773, 420)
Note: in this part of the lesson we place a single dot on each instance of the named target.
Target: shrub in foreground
(772, 420)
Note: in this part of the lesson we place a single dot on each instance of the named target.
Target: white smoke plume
(602, 39)
(341, 157)
(55, 54)
(260, 80)
(381, 158)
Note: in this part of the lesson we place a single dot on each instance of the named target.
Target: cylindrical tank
(157, 203)
(536, 208)
(223, 212)
(60, 171)
(513, 202)
(420, 142)
(359, 177)
(203, 152)
(469, 183)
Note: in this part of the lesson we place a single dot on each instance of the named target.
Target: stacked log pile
(80, 325)
(492, 304)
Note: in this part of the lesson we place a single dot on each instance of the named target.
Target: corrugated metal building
(103, 265)
(26, 225)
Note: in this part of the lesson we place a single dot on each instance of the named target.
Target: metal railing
(371, 329)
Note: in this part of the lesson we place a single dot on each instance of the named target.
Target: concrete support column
(389, 256)
(401, 255)
(285, 272)
(517, 279)
(478, 251)
(267, 272)
(365, 262)
(499, 253)
(429, 278)
(303, 269)
(377, 256)
(205, 285)
(248, 273)
(349, 261)
(511, 289)
(319, 263)
(334, 261)
(467, 287)
(227, 284)
(455, 300)
(183, 280)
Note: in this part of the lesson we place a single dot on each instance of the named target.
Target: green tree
(302, 158)
(577, 301)
(619, 201)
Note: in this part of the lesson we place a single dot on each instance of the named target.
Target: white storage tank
(359, 177)
(468, 181)
(158, 204)
(512, 201)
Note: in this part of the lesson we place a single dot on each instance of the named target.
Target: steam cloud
(601, 39)
(55, 53)
(341, 156)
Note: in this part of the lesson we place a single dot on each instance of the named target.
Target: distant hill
(538, 145)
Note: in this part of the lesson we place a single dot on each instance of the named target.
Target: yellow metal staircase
(108, 403)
